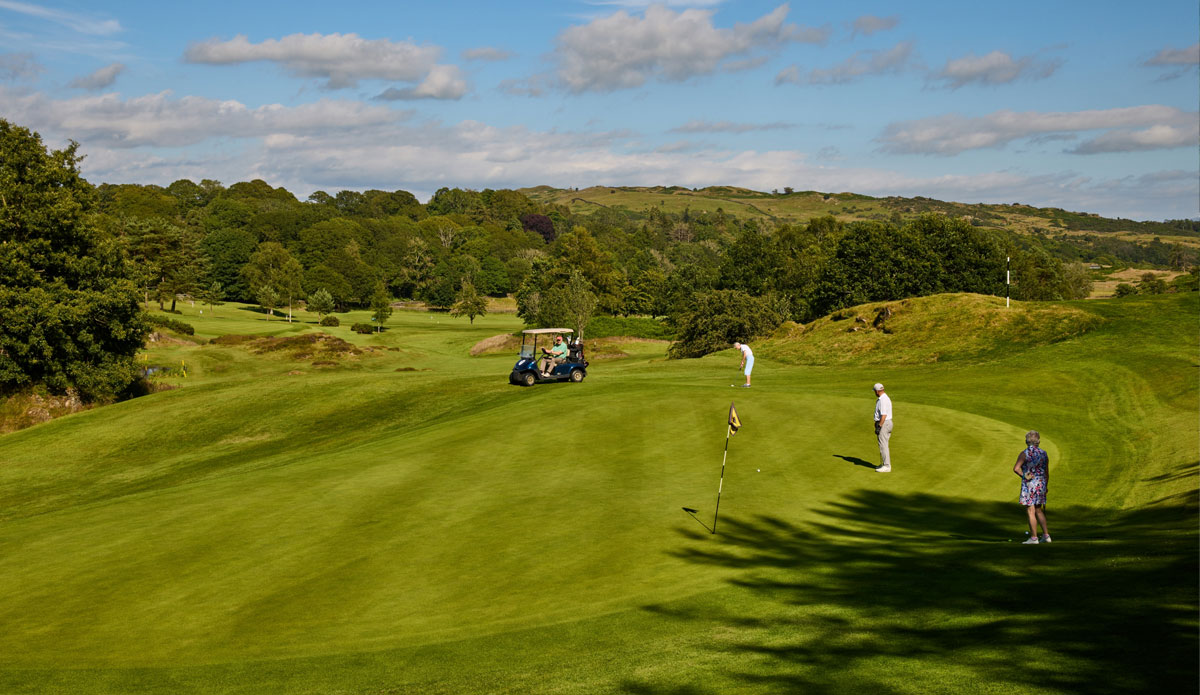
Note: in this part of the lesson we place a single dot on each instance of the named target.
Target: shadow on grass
(855, 460)
(896, 593)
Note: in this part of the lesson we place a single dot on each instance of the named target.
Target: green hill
(801, 206)
(929, 329)
(299, 516)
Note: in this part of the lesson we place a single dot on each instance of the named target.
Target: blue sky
(1086, 106)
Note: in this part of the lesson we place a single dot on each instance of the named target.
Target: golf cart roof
(539, 331)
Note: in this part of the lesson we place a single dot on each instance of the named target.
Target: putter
(689, 510)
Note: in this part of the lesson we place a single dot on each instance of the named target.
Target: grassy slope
(804, 205)
(357, 529)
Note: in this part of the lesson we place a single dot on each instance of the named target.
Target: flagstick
(722, 483)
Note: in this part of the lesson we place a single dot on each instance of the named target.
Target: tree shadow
(855, 460)
(888, 591)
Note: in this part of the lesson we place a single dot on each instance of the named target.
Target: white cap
(878, 387)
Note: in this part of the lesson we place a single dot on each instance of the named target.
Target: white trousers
(885, 455)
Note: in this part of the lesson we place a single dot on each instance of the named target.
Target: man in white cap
(883, 428)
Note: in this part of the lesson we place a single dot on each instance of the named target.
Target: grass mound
(28, 408)
(325, 348)
(927, 329)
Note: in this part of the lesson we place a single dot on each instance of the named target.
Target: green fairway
(389, 515)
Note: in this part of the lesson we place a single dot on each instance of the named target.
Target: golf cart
(526, 372)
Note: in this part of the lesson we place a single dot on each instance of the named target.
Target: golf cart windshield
(529, 339)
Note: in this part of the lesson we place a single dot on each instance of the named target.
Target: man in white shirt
(747, 361)
(883, 428)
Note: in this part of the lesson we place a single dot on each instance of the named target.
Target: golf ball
(758, 469)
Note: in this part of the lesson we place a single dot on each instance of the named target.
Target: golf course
(310, 510)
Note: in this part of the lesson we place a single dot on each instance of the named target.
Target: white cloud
(442, 82)
(829, 153)
(952, 133)
(623, 51)
(862, 64)
(158, 120)
(1182, 60)
(994, 68)
(697, 126)
(534, 86)
(339, 59)
(1156, 137)
(1177, 56)
(870, 24)
(19, 66)
(104, 77)
(488, 53)
(332, 145)
(641, 4)
(677, 146)
(78, 22)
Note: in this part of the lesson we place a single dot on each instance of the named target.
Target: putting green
(456, 530)
(278, 527)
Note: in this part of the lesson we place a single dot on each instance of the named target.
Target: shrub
(172, 324)
(363, 328)
(1124, 289)
(330, 321)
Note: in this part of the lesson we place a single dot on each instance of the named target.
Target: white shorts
(749, 364)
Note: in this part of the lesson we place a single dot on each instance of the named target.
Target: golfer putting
(747, 362)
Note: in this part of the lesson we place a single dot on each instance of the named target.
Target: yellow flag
(734, 421)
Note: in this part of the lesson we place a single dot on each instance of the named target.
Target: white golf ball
(758, 469)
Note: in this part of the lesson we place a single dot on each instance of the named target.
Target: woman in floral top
(1034, 468)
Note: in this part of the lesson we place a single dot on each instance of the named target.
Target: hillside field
(317, 511)
(801, 206)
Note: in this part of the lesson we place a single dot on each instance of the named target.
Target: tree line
(114, 245)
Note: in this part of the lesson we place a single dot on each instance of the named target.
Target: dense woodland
(192, 238)
(711, 277)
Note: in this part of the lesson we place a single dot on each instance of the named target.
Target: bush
(330, 321)
(606, 326)
(1124, 289)
(719, 318)
(363, 328)
(172, 324)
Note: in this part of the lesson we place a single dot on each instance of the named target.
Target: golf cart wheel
(528, 379)
(576, 375)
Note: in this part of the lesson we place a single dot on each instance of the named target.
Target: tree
(320, 302)
(229, 251)
(272, 266)
(1124, 289)
(1077, 281)
(381, 307)
(1151, 284)
(469, 303)
(212, 296)
(69, 312)
(182, 266)
(719, 318)
(578, 301)
(542, 225)
(267, 298)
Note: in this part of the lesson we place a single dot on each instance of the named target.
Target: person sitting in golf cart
(554, 356)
